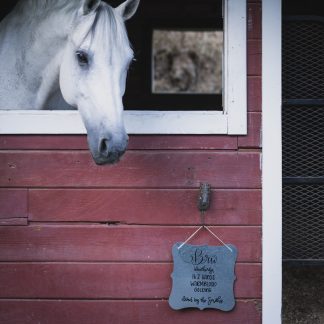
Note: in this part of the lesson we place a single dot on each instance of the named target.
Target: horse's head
(93, 75)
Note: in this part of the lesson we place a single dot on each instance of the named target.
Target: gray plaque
(203, 277)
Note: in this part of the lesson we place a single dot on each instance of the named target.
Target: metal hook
(204, 197)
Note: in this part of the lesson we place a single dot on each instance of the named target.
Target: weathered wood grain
(137, 169)
(136, 142)
(182, 142)
(43, 142)
(132, 206)
(254, 96)
(121, 312)
(254, 21)
(254, 57)
(106, 280)
(13, 203)
(253, 139)
(13, 221)
(116, 243)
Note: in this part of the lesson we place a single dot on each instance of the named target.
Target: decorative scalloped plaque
(203, 277)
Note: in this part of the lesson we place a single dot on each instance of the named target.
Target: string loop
(198, 230)
(203, 206)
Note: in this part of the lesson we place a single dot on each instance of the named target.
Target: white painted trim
(232, 121)
(235, 66)
(271, 165)
(137, 122)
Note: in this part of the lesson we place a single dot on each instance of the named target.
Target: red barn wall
(86, 244)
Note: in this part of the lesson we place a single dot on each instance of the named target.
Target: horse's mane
(42, 7)
(107, 24)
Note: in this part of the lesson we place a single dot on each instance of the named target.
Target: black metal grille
(303, 138)
(303, 59)
(303, 222)
(303, 141)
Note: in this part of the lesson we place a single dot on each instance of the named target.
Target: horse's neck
(30, 54)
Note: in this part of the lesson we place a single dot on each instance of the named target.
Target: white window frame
(232, 120)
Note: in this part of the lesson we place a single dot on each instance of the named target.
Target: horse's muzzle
(108, 151)
(110, 154)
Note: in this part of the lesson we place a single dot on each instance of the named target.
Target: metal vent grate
(303, 222)
(303, 138)
(303, 59)
(303, 141)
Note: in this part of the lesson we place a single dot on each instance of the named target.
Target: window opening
(179, 56)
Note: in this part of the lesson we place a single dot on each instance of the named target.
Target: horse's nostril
(109, 151)
(103, 147)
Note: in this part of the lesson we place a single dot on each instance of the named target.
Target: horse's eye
(83, 58)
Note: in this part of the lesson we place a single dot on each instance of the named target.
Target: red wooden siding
(228, 207)
(13, 203)
(254, 94)
(104, 281)
(13, 207)
(253, 139)
(120, 312)
(254, 58)
(84, 244)
(137, 169)
(116, 243)
(138, 142)
(254, 21)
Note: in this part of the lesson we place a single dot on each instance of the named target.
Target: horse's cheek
(68, 84)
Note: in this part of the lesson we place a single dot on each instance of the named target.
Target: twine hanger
(203, 206)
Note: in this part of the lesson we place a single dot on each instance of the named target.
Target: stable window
(189, 76)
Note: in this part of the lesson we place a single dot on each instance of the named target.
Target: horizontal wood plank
(136, 142)
(131, 206)
(43, 142)
(253, 139)
(137, 169)
(121, 312)
(183, 142)
(13, 203)
(106, 280)
(13, 221)
(116, 243)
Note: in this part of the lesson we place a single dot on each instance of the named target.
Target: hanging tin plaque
(203, 276)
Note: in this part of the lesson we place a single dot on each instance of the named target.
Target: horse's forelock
(109, 29)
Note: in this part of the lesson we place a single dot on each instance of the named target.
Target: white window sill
(137, 122)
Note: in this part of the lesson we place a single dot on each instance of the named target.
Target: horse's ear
(128, 8)
(90, 6)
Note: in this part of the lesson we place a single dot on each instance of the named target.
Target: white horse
(72, 49)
